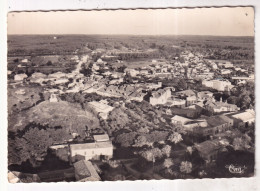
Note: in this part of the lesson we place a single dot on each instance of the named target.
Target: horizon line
(141, 35)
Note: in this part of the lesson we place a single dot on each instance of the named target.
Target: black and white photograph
(134, 94)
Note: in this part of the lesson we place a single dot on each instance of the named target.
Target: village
(191, 100)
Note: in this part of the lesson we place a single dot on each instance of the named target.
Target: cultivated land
(170, 106)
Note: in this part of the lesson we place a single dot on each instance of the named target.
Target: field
(47, 45)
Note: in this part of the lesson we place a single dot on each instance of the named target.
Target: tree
(175, 137)
(166, 150)
(121, 69)
(141, 141)
(168, 162)
(241, 143)
(186, 167)
(182, 85)
(151, 154)
(32, 146)
(49, 63)
(245, 101)
(232, 100)
(126, 139)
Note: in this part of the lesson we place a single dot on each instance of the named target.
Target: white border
(34, 5)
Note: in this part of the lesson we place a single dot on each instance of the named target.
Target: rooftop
(245, 116)
(219, 104)
(217, 120)
(85, 169)
(101, 138)
(80, 146)
(209, 146)
(186, 93)
(100, 107)
(160, 92)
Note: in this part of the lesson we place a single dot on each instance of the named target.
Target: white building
(25, 60)
(219, 85)
(247, 117)
(102, 108)
(88, 151)
(20, 77)
(160, 96)
(225, 71)
(187, 123)
(53, 98)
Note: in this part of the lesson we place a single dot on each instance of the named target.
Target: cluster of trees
(242, 143)
(86, 70)
(243, 96)
(33, 142)
(231, 54)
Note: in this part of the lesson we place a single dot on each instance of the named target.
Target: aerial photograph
(144, 94)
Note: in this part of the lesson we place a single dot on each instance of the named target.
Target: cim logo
(234, 169)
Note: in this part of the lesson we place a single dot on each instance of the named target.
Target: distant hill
(64, 114)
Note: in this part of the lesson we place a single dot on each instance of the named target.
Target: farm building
(88, 151)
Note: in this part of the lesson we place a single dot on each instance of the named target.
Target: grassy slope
(55, 114)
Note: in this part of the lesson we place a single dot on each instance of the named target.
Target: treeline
(232, 55)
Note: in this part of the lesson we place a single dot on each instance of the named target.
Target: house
(38, 75)
(57, 75)
(219, 106)
(20, 91)
(191, 100)
(179, 120)
(61, 81)
(116, 81)
(94, 150)
(20, 77)
(160, 96)
(25, 60)
(220, 85)
(204, 95)
(144, 72)
(137, 96)
(152, 86)
(85, 171)
(101, 108)
(245, 118)
(228, 65)
(216, 124)
(99, 60)
(176, 102)
(225, 71)
(185, 93)
(209, 150)
(131, 72)
(189, 95)
(214, 66)
(188, 124)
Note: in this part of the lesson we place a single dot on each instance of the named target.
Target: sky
(225, 21)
